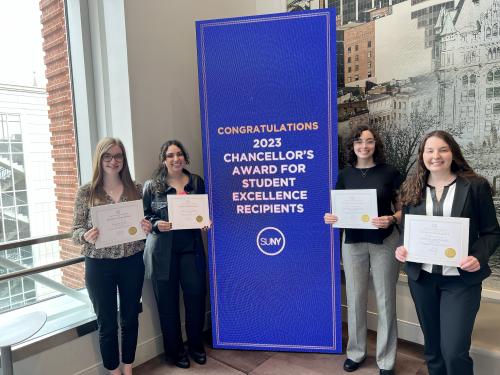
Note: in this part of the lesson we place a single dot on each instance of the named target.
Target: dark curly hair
(161, 172)
(379, 153)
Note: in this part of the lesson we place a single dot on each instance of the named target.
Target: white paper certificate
(118, 223)
(188, 211)
(436, 239)
(354, 208)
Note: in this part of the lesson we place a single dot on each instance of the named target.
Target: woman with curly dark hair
(446, 298)
(365, 249)
(175, 258)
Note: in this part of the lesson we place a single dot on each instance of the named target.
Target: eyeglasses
(108, 157)
(368, 142)
(173, 155)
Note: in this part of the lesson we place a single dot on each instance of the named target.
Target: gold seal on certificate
(365, 218)
(132, 230)
(450, 252)
(199, 219)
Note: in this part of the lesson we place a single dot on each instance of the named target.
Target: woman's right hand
(91, 235)
(163, 226)
(401, 253)
(330, 218)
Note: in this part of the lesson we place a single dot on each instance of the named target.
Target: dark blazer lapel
(461, 192)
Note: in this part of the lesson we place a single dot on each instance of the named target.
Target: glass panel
(4, 147)
(16, 147)
(21, 197)
(19, 180)
(7, 199)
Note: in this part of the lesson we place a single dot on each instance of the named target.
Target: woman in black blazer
(447, 299)
(175, 258)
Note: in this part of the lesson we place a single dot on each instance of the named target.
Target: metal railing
(34, 272)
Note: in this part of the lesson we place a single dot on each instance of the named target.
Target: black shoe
(387, 372)
(350, 365)
(199, 357)
(182, 361)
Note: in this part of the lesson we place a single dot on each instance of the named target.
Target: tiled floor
(222, 362)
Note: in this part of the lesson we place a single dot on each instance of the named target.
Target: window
(348, 49)
(488, 32)
(356, 58)
(348, 69)
(28, 186)
(495, 30)
(356, 48)
(489, 93)
(356, 77)
(489, 76)
(369, 44)
(356, 68)
(349, 60)
(472, 79)
(369, 54)
(369, 64)
(369, 74)
(496, 108)
(497, 75)
(465, 80)
(497, 92)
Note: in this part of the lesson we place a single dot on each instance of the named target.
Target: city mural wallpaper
(409, 67)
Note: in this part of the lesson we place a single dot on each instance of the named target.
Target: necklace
(364, 171)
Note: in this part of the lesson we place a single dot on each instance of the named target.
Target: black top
(161, 245)
(383, 177)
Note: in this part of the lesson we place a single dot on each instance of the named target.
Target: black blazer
(473, 200)
(158, 250)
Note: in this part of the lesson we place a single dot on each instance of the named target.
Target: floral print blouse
(82, 222)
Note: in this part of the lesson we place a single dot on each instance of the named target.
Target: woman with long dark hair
(364, 249)
(174, 258)
(112, 268)
(446, 298)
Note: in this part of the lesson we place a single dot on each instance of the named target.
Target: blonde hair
(97, 193)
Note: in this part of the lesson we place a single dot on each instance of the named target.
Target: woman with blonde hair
(113, 268)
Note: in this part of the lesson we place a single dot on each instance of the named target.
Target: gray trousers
(358, 259)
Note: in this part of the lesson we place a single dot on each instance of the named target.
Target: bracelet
(394, 219)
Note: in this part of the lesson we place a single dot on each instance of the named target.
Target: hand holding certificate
(354, 208)
(188, 211)
(118, 223)
(436, 239)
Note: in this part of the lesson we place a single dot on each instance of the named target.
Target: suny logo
(271, 241)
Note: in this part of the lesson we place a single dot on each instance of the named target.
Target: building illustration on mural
(441, 70)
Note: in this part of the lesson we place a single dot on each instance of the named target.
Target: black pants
(446, 309)
(183, 270)
(103, 277)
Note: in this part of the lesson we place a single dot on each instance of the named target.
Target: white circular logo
(271, 241)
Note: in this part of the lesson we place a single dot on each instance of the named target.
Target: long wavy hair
(379, 156)
(412, 189)
(161, 172)
(97, 193)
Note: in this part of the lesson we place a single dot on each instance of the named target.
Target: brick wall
(55, 46)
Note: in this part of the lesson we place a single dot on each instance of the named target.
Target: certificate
(118, 223)
(436, 239)
(354, 208)
(188, 211)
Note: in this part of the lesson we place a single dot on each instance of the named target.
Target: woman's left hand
(470, 264)
(146, 226)
(382, 222)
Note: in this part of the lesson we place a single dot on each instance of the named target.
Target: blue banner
(269, 119)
